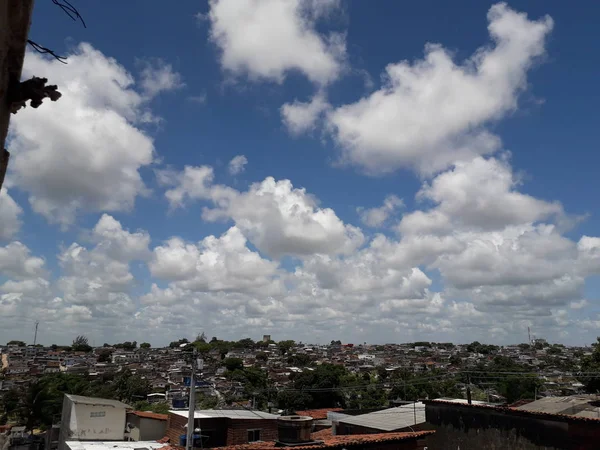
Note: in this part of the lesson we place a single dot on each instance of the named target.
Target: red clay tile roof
(150, 415)
(318, 414)
(517, 412)
(341, 441)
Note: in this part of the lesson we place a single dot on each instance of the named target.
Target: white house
(91, 419)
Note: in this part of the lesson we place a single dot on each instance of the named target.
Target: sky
(308, 169)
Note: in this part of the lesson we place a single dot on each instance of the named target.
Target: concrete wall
(84, 425)
(152, 429)
(467, 427)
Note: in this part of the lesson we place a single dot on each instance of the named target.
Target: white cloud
(432, 112)
(476, 195)
(237, 165)
(280, 219)
(301, 117)
(276, 217)
(84, 152)
(215, 264)
(99, 275)
(376, 217)
(193, 184)
(16, 261)
(157, 76)
(10, 212)
(266, 39)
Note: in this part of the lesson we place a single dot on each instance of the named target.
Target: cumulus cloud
(16, 261)
(276, 217)
(84, 152)
(301, 117)
(267, 39)
(476, 195)
(237, 164)
(432, 112)
(101, 274)
(214, 264)
(376, 217)
(10, 216)
(157, 76)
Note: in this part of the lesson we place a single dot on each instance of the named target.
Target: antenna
(35, 336)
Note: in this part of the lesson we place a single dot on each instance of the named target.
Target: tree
(145, 345)
(592, 364)
(177, 344)
(104, 355)
(262, 356)
(245, 343)
(80, 344)
(299, 359)
(286, 346)
(159, 408)
(17, 343)
(232, 364)
(131, 387)
(201, 337)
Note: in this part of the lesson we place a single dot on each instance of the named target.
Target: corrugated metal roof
(389, 419)
(227, 413)
(79, 399)
(570, 405)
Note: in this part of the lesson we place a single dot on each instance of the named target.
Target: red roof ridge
(338, 441)
(150, 415)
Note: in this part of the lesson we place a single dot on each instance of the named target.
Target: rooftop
(115, 445)
(331, 441)
(244, 414)
(318, 414)
(150, 415)
(389, 419)
(574, 405)
(81, 400)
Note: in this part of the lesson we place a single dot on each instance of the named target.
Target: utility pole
(189, 443)
(469, 389)
(35, 335)
(15, 19)
(415, 411)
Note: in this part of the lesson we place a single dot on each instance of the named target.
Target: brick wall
(223, 431)
(237, 430)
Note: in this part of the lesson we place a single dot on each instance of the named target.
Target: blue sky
(431, 173)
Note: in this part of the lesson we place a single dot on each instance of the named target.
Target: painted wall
(97, 422)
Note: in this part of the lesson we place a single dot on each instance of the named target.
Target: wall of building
(151, 429)
(472, 428)
(237, 430)
(85, 425)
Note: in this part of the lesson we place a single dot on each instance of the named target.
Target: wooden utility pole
(15, 19)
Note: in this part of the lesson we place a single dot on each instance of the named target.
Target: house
(219, 428)
(146, 426)
(91, 419)
(485, 427)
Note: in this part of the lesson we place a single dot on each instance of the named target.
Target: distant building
(91, 419)
(266, 338)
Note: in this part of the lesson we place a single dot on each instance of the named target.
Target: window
(97, 414)
(253, 435)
